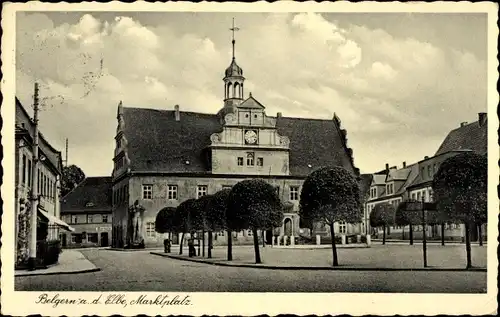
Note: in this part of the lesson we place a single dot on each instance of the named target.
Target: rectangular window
(240, 161)
(90, 218)
(74, 219)
(30, 177)
(92, 237)
(150, 230)
(373, 192)
(418, 196)
(429, 171)
(249, 233)
(294, 192)
(147, 192)
(23, 167)
(250, 158)
(105, 218)
(202, 190)
(172, 192)
(260, 161)
(342, 227)
(422, 172)
(413, 196)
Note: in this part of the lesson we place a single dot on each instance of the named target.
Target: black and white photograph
(159, 156)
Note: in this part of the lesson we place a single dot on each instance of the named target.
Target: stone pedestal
(292, 240)
(358, 238)
(284, 240)
(278, 241)
(368, 239)
(318, 239)
(343, 239)
(272, 241)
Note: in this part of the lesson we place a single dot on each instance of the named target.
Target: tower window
(250, 158)
(240, 161)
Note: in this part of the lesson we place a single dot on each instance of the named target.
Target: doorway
(104, 239)
(63, 240)
(288, 227)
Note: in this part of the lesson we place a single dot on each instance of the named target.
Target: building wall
(225, 161)
(187, 187)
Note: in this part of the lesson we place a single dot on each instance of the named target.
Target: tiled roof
(157, 142)
(25, 125)
(379, 179)
(469, 137)
(411, 176)
(92, 194)
(398, 174)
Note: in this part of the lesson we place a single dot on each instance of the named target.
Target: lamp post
(34, 186)
(424, 237)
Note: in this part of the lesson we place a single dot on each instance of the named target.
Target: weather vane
(234, 29)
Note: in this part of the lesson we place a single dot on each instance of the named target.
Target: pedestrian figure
(192, 250)
(166, 245)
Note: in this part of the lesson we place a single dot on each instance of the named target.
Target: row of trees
(250, 204)
(460, 192)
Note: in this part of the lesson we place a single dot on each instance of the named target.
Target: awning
(55, 220)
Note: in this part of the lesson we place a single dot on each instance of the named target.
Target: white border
(22, 303)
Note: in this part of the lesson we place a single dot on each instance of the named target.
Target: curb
(59, 273)
(132, 250)
(315, 268)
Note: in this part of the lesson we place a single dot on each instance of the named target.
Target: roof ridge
(168, 110)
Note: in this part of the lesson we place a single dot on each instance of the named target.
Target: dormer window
(89, 204)
(373, 192)
(389, 189)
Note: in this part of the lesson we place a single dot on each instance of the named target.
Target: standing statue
(135, 234)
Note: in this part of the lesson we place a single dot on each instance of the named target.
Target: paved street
(141, 271)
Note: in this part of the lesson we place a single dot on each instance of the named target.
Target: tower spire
(234, 29)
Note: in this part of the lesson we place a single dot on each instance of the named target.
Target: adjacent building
(395, 185)
(163, 157)
(88, 209)
(48, 185)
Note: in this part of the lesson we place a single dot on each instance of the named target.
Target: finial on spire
(233, 29)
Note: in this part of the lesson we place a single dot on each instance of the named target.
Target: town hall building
(163, 157)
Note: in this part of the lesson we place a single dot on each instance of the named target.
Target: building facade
(48, 185)
(88, 209)
(164, 157)
(417, 180)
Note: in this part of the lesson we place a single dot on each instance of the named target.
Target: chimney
(482, 118)
(426, 157)
(463, 124)
(177, 113)
(279, 115)
(404, 164)
(387, 168)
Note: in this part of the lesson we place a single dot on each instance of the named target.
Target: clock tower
(249, 143)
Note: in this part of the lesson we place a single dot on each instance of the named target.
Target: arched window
(236, 93)
(228, 90)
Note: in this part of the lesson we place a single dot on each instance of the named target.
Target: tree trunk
(263, 239)
(403, 232)
(383, 237)
(480, 233)
(334, 247)
(411, 234)
(467, 245)
(210, 241)
(180, 244)
(203, 243)
(229, 246)
(256, 246)
(442, 233)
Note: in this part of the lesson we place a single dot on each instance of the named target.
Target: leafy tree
(460, 191)
(331, 194)
(382, 215)
(164, 220)
(216, 217)
(405, 217)
(199, 217)
(254, 204)
(182, 219)
(72, 175)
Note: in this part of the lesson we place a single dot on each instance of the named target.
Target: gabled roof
(378, 179)
(251, 103)
(398, 174)
(410, 178)
(25, 126)
(157, 142)
(471, 136)
(92, 194)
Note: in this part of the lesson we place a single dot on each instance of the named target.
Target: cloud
(391, 92)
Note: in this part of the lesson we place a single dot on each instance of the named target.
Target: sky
(399, 82)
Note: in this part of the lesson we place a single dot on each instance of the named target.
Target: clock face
(251, 137)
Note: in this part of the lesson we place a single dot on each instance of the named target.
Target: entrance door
(288, 227)
(63, 240)
(104, 239)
